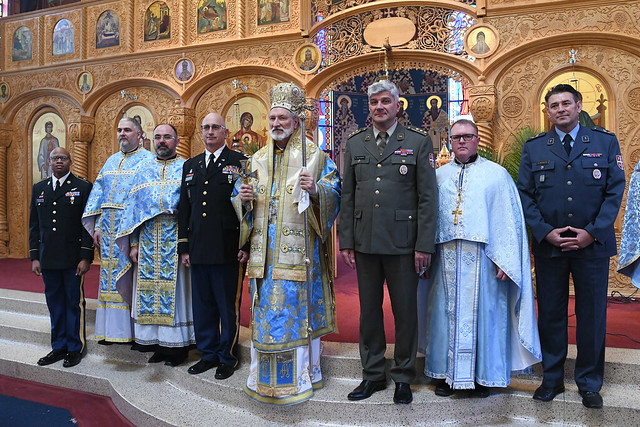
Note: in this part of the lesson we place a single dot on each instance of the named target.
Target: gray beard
(281, 137)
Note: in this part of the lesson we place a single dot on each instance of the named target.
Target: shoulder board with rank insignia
(43, 180)
(83, 179)
(537, 136)
(418, 130)
(603, 130)
(357, 132)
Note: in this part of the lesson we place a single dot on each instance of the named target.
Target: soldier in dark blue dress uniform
(571, 182)
(61, 251)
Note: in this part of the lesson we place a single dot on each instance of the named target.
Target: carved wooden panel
(50, 21)
(123, 11)
(33, 24)
(220, 95)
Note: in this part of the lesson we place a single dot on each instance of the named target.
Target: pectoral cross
(244, 179)
(455, 215)
(457, 211)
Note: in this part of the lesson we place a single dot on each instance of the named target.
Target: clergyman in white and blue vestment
(477, 317)
(149, 234)
(630, 241)
(280, 371)
(101, 218)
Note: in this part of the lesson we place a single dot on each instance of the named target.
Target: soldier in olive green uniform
(387, 227)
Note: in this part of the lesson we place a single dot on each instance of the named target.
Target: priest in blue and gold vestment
(148, 232)
(280, 371)
(630, 240)
(101, 218)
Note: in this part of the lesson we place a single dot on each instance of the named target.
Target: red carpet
(623, 320)
(86, 408)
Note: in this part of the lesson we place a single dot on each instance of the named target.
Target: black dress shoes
(176, 356)
(52, 357)
(443, 389)
(224, 371)
(591, 399)
(202, 366)
(105, 342)
(366, 389)
(156, 357)
(546, 394)
(72, 359)
(480, 391)
(403, 394)
(142, 348)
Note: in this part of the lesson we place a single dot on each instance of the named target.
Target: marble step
(160, 395)
(24, 317)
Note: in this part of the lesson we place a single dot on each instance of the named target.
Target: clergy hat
(288, 96)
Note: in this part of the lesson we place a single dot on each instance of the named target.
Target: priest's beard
(283, 135)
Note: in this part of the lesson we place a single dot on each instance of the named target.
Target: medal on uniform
(597, 174)
(403, 170)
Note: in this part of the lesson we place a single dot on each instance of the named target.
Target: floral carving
(512, 106)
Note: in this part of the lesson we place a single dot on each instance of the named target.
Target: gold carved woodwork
(292, 25)
(482, 104)
(522, 28)
(216, 98)
(343, 38)
(81, 134)
(6, 131)
(139, 16)
(184, 120)
(50, 21)
(33, 24)
(124, 12)
(234, 23)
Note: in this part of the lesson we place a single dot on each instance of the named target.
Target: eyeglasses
(213, 127)
(161, 137)
(466, 137)
(56, 158)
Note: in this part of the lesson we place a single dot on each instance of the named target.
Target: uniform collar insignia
(585, 138)
(550, 141)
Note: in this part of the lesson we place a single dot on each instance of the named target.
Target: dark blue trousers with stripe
(216, 292)
(64, 292)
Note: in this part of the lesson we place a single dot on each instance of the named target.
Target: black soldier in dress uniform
(571, 182)
(61, 251)
(208, 239)
(387, 228)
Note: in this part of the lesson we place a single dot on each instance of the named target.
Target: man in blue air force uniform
(61, 251)
(101, 218)
(148, 232)
(571, 182)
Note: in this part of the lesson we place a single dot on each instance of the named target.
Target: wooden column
(81, 133)
(184, 120)
(482, 104)
(6, 135)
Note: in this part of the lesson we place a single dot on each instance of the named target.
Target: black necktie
(566, 141)
(210, 165)
(58, 186)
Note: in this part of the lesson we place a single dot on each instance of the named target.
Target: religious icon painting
(307, 58)
(273, 11)
(183, 70)
(212, 16)
(481, 41)
(145, 119)
(85, 82)
(107, 29)
(49, 132)
(157, 22)
(4, 92)
(62, 37)
(22, 41)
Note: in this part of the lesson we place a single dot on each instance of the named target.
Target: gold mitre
(287, 95)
